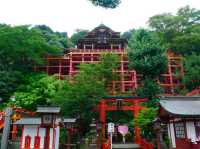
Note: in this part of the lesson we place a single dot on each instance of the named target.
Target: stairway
(126, 146)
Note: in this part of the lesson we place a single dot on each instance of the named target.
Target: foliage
(37, 89)
(79, 34)
(145, 122)
(146, 54)
(21, 47)
(192, 71)
(106, 3)
(189, 42)
(86, 88)
(128, 34)
(8, 83)
(179, 32)
(57, 39)
(149, 90)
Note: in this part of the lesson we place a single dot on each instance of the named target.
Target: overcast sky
(69, 15)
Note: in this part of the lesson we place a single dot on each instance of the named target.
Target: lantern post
(48, 120)
(157, 128)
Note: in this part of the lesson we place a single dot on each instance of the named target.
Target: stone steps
(126, 146)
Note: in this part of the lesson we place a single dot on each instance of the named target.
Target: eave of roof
(181, 105)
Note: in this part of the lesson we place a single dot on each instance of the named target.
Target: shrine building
(103, 40)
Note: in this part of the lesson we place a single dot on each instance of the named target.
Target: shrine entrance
(120, 104)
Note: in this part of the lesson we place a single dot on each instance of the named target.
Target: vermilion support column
(103, 117)
(14, 132)
(136, 128)
(69, 132)
(122, 74)
(47, 138)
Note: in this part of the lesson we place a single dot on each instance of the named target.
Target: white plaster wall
(30, 130)
(190, 129)
(57, 134)
(42, 132)
(172, 134)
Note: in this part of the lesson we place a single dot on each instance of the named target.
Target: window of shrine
(88, 46)
(179, 130)
(197, 128)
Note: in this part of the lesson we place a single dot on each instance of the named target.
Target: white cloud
(68, 15)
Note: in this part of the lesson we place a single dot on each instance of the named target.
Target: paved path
(126, 146)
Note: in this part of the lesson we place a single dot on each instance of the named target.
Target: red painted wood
(27, 144)
(21, 139)
(183, 144)
(37, 142)
(134, 106)
(47, 138)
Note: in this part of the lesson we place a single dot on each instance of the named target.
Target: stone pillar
(6, 130)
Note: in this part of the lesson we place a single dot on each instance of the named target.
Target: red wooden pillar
(14, 132)
(37, 142)
(136, 128)
(69, 137)
(102, 115)
(27, 144)
(47, 138)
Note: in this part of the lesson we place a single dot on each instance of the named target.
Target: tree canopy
(146, 54)
(57, 39)
(106, 3)
(80, 33)
(181, 33)
(21, 47)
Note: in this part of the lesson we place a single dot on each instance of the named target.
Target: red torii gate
(124, 104)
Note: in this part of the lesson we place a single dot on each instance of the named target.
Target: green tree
(20, 48)
(146, 55)
(145, 122)
(106, 3)
(192, 71)
(86, 88)
(9, 81)
(79, 34)
(37, 89)
(179, 32)
(128, 34)
(150, 90)
(57, 39)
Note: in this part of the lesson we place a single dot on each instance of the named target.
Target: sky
(69, 15)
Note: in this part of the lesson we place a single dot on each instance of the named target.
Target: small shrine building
(182, 116)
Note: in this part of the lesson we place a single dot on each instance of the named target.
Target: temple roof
(37, 121)
(102, 37)
(48, 109)
(180, 105)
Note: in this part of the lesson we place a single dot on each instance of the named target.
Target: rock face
(126, 146)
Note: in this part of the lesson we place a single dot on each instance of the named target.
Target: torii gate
(124, 104)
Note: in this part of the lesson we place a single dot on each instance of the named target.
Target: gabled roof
(29, 121)
(37, 121)
(181, 105)
(48, 109)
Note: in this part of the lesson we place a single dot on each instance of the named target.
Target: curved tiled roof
(181, 105)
